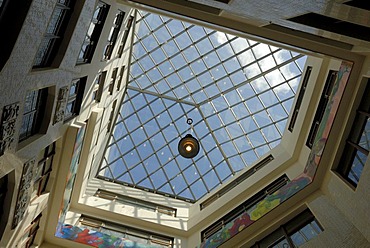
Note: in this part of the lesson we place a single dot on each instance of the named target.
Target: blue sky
(237, 91)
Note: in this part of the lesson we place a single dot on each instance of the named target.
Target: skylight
(238, 93)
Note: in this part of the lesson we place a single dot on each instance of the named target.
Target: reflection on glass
(357, 167)
(365, 136)
(280, 244)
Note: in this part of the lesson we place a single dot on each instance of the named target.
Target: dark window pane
(357, 167)
(365, 136)
(280, 244)
(54, 33)
(33, 113)
(309, 231)
(298, 239)
(93, 33)
(55, 21)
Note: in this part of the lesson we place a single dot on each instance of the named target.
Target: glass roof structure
(238, 93)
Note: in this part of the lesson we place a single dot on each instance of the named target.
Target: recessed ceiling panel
(238, 93)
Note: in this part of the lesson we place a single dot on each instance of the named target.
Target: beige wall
(342, 211)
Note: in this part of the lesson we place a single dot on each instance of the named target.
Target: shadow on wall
(12, 15)
(7, 183)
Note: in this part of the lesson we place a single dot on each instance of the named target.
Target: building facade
(67, 70)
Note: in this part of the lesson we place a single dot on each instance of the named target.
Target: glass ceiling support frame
(144, 93)
(249, 80)
(214, 66)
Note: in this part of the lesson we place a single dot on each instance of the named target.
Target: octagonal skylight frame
(234, 91)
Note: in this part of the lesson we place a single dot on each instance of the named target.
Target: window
(113, 80)
(120, 77)
(244, 207)
(117, 230)
(300, 98)
(357, 145)
(30, 233)
(236, 181)
(324, 99)
(99, 85)
(3, 191)
(334, 25)
(294, 233)
(76, 92)
(42, 170)
(4, 204)
(54, 34)
(93, 33)
(109, 126)
(33, 113)
(130, 201)
(125, 36)
(113, 35)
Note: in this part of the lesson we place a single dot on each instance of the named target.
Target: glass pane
(187, 71)
(55, 21)
(37, 174)
(297, 239)
(42, 51)
(73, 89)
(308, 231)
(365, 136)
(280, 244)
(357, 167)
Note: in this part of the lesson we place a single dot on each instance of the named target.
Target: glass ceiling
(237, 91)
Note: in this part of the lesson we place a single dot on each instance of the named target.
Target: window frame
(58, 23)
(290, 228)
(137, 203)
(127, 232)
(130, 20)
(243, 207)
(91, 40)
(352, 146)
(45, 165)
(324, 100)
(113, 35)
(37, 111)
(120, 77)
(99, 86)
(111, 116)
(75, 99)
(30, 232)
(113, 80)
(3, 192)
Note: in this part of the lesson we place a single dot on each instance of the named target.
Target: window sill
(345, 181)
(22, 144)
(69, 118)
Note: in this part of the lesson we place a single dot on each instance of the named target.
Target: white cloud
(275, 77)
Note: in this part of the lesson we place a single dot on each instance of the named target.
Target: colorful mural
(70, 178)
(257, 211)
(97, 239)
(77, 234)
(297, 184)
(328, 119)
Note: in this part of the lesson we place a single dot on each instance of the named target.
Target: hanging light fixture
(188, 146)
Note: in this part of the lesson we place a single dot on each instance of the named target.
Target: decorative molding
(61, 105)
(7, 128)
(24, 195)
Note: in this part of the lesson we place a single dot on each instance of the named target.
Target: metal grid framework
(237, 91)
